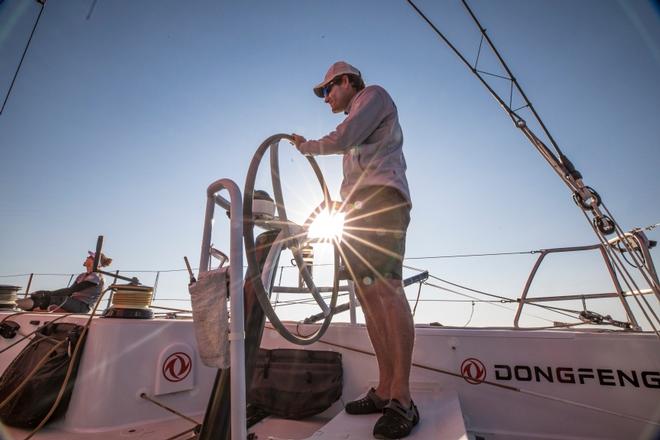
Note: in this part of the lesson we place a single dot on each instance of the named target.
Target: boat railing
(237, 328)
(176, 306)
(639, 242)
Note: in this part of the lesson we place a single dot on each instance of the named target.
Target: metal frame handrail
(608, 264)
(237, 326)
(577, 296)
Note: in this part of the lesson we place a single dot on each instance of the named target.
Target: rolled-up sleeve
(365, 115)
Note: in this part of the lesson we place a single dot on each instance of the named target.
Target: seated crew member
(80, 297)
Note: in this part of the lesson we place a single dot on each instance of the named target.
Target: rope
(67, 377)
(167, 408)
(31, 333)
(69, 370)
(41, 362)
(181, 434)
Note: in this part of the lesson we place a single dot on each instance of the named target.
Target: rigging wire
(513, 115)
(491, 254)
(627, 278)
(428, 257)
(20, 63)
(496, 304)
(499, 299)
(502, 299)
(585, 197)
(91, 10)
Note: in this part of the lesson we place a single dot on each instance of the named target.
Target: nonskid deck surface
(148, 431)
(440, 418)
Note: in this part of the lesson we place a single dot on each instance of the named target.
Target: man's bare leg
(376, 326)
(392, 334)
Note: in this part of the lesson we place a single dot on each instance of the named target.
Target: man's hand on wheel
(297, 140)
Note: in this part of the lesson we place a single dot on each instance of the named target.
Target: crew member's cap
(338, 68)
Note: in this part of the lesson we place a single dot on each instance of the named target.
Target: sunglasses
(326, 90)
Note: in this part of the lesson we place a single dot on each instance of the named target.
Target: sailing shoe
(396, 421)
(25, 303)
(368, 404)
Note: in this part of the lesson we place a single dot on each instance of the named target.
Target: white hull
(558, 410)
(563, 384)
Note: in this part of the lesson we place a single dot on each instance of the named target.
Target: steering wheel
(291, 235)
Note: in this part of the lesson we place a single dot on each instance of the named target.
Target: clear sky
(125, 111)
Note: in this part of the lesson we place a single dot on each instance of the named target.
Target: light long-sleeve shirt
(371, 140)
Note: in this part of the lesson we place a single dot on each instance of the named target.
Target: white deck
(440, 418)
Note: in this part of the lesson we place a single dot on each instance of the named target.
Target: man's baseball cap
(338, 68)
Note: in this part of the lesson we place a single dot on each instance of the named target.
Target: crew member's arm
(365, 115)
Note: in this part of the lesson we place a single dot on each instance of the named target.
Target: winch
(8, 296)
(130, 301)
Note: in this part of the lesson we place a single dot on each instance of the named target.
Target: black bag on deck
(33, 402)
(294, 384)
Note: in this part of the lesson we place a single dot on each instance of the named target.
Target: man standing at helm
(377, 203)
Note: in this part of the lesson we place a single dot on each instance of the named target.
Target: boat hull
(520, 384)
(510, 384)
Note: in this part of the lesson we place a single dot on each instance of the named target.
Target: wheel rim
(253, 270)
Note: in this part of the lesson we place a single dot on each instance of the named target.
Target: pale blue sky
(117, 124)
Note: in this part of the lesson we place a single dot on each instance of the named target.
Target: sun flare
(327, 226)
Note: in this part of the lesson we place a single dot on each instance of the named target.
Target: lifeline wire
(502, 298)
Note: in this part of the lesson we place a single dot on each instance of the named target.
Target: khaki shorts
(374, 238)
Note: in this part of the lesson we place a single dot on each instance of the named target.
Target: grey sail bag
(295, 384)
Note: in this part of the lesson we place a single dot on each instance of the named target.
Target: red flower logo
(177, 366)
(473, 371)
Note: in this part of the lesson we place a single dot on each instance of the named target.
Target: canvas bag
(208, 297)
(294, 384)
